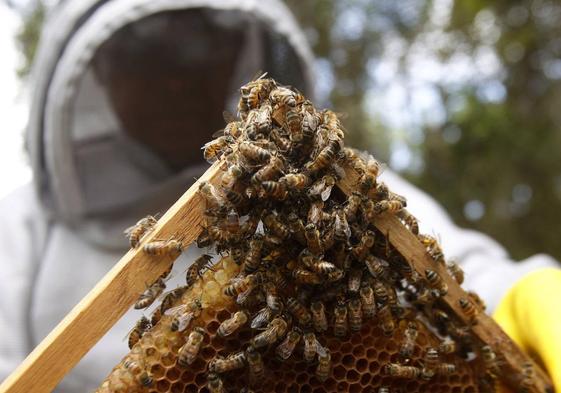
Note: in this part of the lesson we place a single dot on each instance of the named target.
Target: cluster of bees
(311, 261)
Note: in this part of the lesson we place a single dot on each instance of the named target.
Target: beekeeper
(124, 94)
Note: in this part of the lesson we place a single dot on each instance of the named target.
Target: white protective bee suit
(62, 233)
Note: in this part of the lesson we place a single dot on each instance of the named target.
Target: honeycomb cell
(348, 361)
(346, 348)
(352, 376)
(362, 365)
(168, 359)
(339, 373)
(223, 315)
(355, 388)
(358, 351)
(157, 371)
(162, 386)
(342, 386)
(371, 353)
(176, 388)
(365, 379)
(173, 375)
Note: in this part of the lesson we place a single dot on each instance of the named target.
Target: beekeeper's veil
(127, 91)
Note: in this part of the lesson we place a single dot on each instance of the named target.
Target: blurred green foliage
(28, 36)
(494, 159)
(488, 145)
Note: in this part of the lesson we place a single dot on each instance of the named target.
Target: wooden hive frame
(80, 330)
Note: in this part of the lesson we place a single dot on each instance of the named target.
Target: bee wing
(320, 349)
(176, 310)
(129, 230)
(228, 117)
(326, 193)
(242, 297)
(262, 318)
(184, 321)
(217, 134)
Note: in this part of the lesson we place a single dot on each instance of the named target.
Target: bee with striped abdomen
(233, 324)
(140, 229)
(150, 294)
(190, 350)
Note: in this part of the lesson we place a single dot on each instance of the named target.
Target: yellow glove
(530, 314)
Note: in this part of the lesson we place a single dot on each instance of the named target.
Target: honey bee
(526, 380)
(391, 206)
(341, 226)
(232, 324)
(376, 267)
(242, 284)
(141, 228)
(310, 346)
(276, 226)
(355, 278)
(141, 326)
(250, 225)
(163, 247)
(469, 310)
(381, 292)
(299, 311)
(296, 228)
(283, 96)
(274, 189)
(433, 247)
(340, 323)
(409, 220)
(293, 123)
(431, 364)
(322, 188)
(204, 240)
(156, 316)
(447, 347)
(215, 384)
(269, 171)
(360, 251)
(446, 369)
(183, 315)
(141, 376)
(355, 315)
(297, 181)
(319, 318)
(410, 335)
(252, 259)
(423, 297)
(219, 235)
(316, 215)
(254, 153)
(436, 282)
(399, 371)
(283, 143)
(234, 173)
(368, 302)
(214, 149)
(286, 348)
(190, 350)
(234, 197)
(315, 264)
(490, 361)
(351, 208)
(261, 318)
(232, 362)
(171, 297)
(276, 329)
(313, 239)
(233, 127)
(263, 119)
(195, 270)
(325, 157)
(387, 321)
(324, 365)
(255, 363)
(150, 294)
(474, 297)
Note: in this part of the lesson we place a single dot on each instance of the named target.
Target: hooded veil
(125, 92)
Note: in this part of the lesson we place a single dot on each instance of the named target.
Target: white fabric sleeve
(20, 235)
(489, 270)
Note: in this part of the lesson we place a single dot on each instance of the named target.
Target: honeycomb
(291, 240)
(357, 360)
